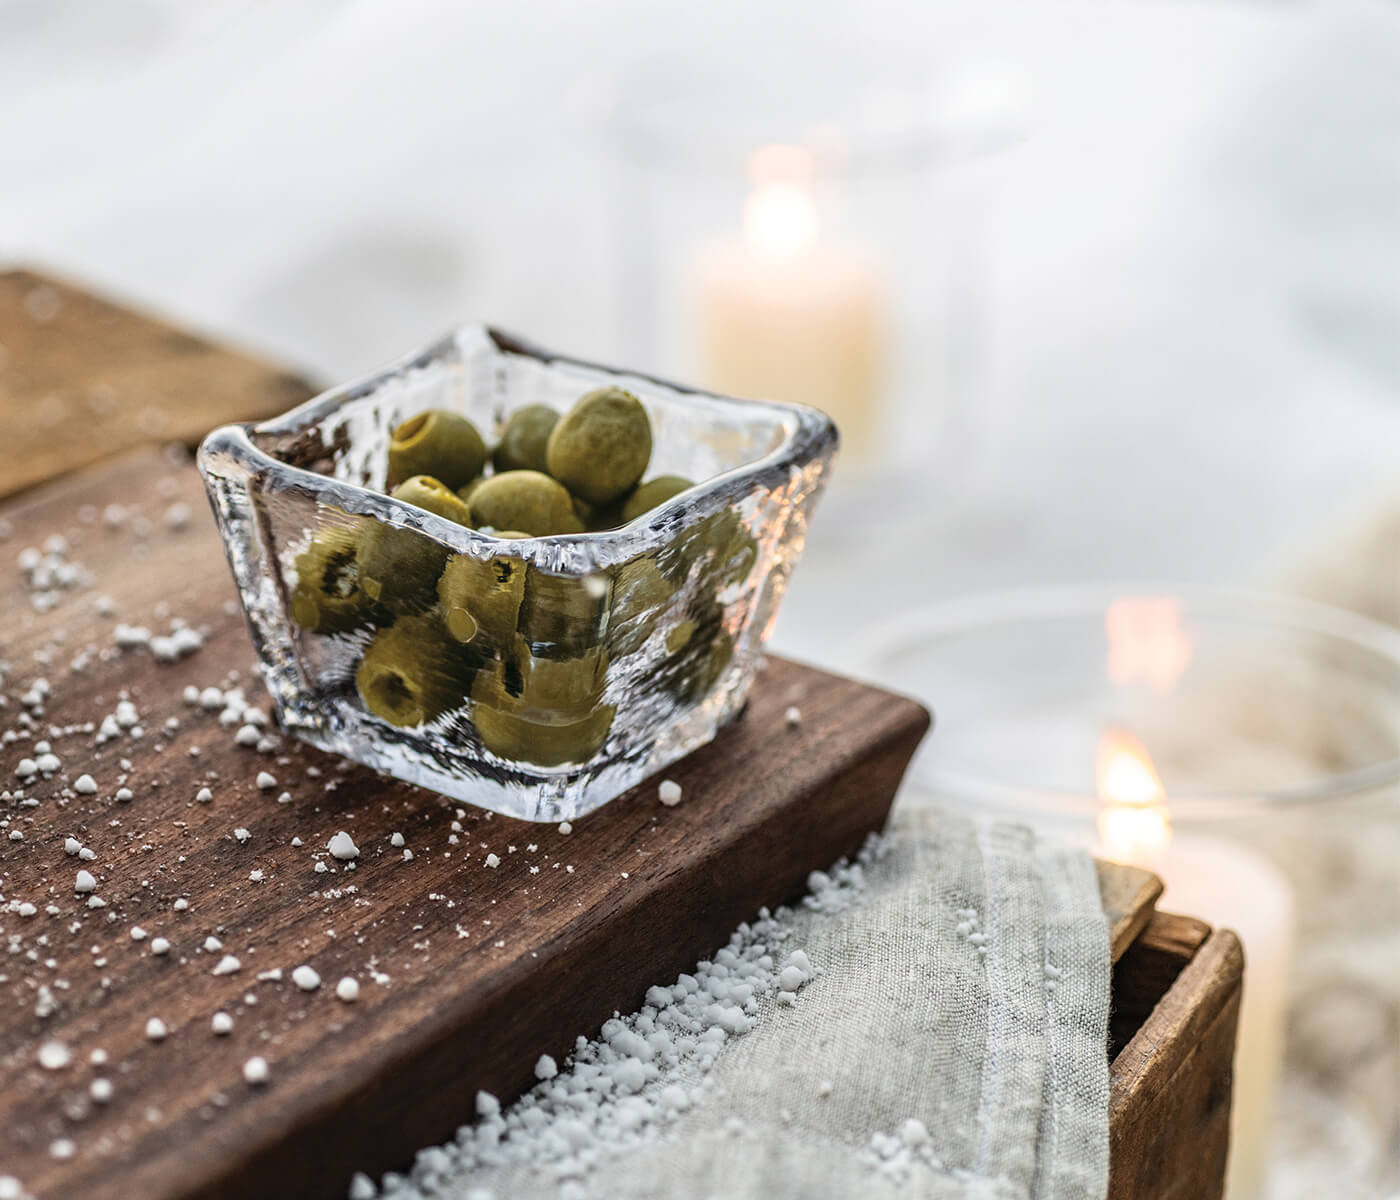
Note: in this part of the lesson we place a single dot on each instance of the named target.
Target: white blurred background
(1189, 358)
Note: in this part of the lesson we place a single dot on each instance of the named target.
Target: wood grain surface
(86, 379)
(1170, 1085)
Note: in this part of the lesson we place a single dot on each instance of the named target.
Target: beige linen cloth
(951, 1044)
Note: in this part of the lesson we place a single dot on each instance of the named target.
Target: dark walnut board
(444, 1008)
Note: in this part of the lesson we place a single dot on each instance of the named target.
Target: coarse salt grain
(221, 1023)
(342, 846)
(211, 944)
(565, 828)
(85, 785)
(396, 840)
(226, 965)
(255, 1070)
(62, 1148)
(793, 717)
(669, 793)
(160, 945)
(84, 883)
(101, 1090)
(71, 845)
(138, 934)
(493, 860)
(54, 1056)
(348, 990)
(305, 977)
(546, 1068)
(203, 796)
(266, 781)
(156, 1029)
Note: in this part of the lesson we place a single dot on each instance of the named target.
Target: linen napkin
(930, 1021)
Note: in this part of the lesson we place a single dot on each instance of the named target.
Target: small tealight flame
(780, 215)
(1133, 824)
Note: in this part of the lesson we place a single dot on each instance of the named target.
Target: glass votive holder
(789, 231)
(1245, 747)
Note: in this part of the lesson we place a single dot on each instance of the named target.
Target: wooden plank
(1129, 896)
(468, 973)
(1169, 1106)
(82, 378)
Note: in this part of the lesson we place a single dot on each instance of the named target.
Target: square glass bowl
(538, 677)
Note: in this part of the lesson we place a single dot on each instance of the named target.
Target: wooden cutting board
(467, 973)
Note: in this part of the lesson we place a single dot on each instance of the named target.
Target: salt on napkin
(949, 1042)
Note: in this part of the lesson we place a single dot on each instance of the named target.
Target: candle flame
(1133, 824)
(1146, 642)
(780, 215)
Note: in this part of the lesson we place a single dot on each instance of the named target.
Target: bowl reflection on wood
(539, 677)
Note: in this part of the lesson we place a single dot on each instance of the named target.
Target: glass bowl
(1247, 702)
(554, 673)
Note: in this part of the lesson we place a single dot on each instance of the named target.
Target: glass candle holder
(788, 231)
(536, 676)
(1245, 747)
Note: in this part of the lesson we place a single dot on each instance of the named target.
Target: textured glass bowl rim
(1264, 610)
(810, 434)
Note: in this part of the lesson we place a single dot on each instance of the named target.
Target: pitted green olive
(482, 598)
(513, 724)
(411, 673)
(524, 439)
(400, 567)
(600, 448)
(440, 443)
(524, 500)
(651, 493)
(327, 597)
(563, 616)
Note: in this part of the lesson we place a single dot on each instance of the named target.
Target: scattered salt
(54, 1056)
(221, 1023)
(84, 883)
(343, 847)
(396, 840)
(565, 828)
(211, 944)
(669, 792)
(255, 1070)
(493, 860)
(348, 990)
(71, 845)
(85, 785)
(156, 1029)
(226, 965)
(793, 717)
(203, 796)
(138, 934)
(101, 1090)
(160, 945)
(305, 977)
(266, 781)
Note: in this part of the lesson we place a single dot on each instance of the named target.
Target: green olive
(467, 490)
(652, 493)
(410, 673)
(601, 447)
(440, 443)
(525, 500)
(327, 597)
(597, 517)
(482, 597)
(515, 724)
(399, 567)
(562, 616)
(701, 648)
(524, 438)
